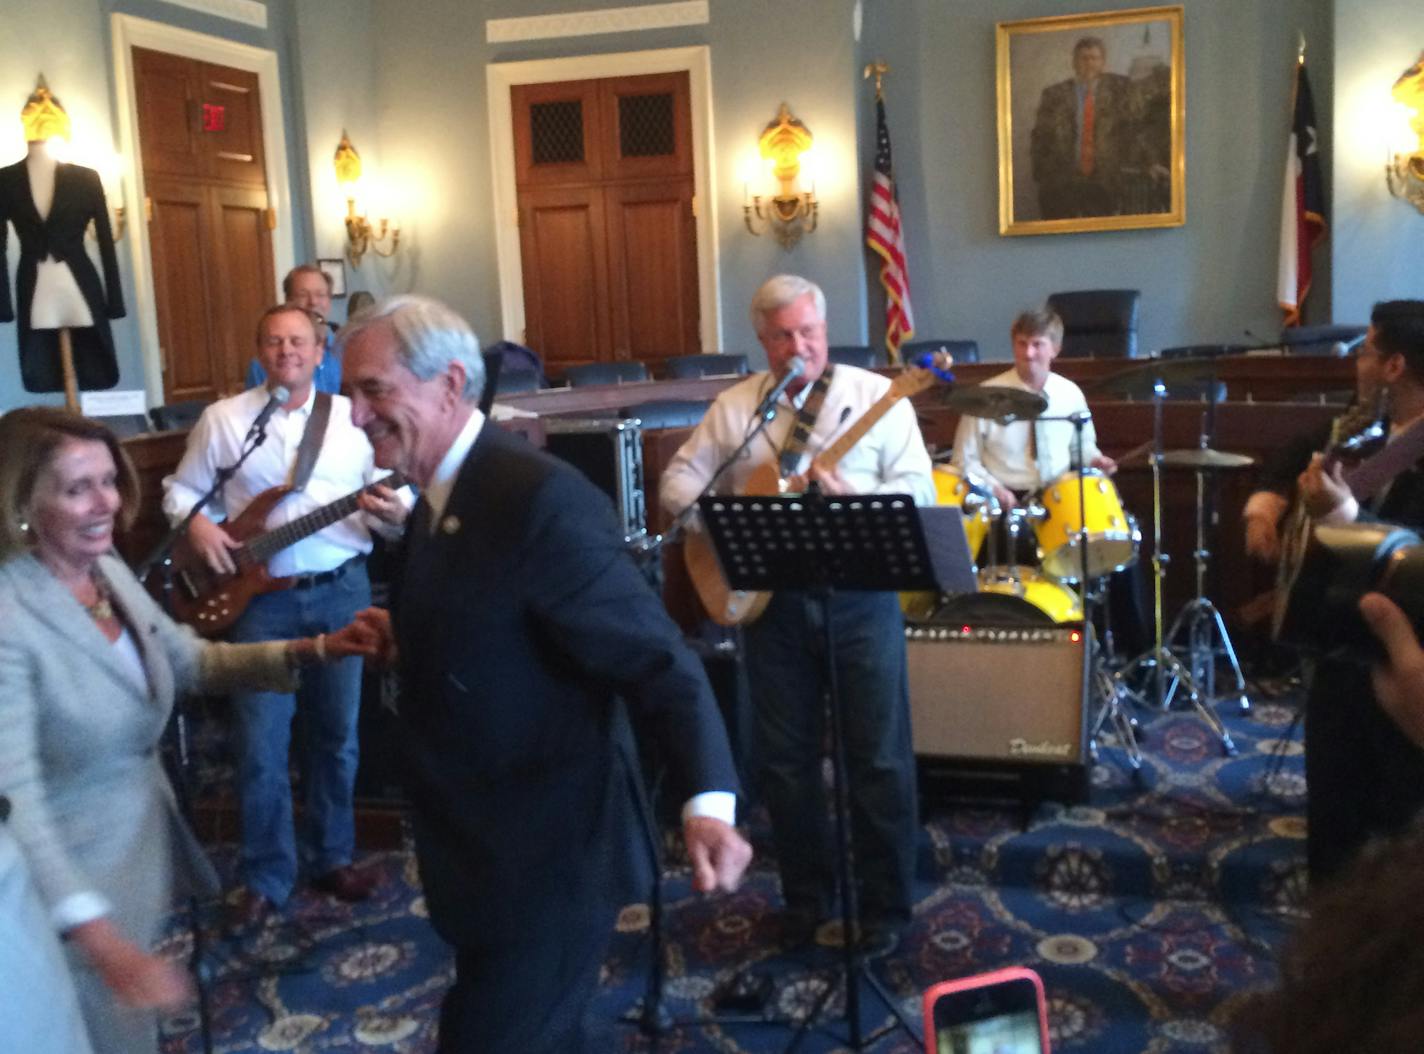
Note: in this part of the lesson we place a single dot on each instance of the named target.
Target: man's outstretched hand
(719, 854)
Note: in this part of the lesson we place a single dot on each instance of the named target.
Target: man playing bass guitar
(782, 646)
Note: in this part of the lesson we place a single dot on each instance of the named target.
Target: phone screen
(999, 1018)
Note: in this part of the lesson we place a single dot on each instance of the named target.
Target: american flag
(1302, 205)
(885, 238)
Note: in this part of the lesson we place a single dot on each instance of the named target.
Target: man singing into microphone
(312, 445)
(783, 650)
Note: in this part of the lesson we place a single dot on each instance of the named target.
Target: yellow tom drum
(951, 488)
(1113, 537)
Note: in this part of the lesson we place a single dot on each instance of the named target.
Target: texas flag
(1302, 205)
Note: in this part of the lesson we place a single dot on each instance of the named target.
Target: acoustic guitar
(1364, 480)
(734, 607)
(211, 602)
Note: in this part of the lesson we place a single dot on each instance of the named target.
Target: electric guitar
(733, 607)
(211, 602)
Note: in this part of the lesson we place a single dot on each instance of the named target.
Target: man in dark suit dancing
(516, 620)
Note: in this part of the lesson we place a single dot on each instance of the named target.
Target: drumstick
(1135, 452)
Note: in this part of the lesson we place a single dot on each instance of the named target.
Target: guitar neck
(828, 458)
(270, 543)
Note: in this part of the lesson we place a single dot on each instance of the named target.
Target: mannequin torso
(58, 301)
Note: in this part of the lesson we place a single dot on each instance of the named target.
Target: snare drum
(1055, 600)
(1113, 537)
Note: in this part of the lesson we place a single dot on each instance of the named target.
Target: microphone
(280, 395)
(767, 409)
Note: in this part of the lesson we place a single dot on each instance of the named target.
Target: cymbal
(1205, 458)
(997, 402)
(1137, 381)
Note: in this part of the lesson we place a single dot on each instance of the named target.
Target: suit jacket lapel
(50, 603)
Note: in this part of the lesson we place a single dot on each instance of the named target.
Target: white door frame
(129, 32)
(501, 76)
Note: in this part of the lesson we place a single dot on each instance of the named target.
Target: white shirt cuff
(77, 909)
(719, 805)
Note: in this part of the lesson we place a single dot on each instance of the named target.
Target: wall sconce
(784, 145)
(1404, 170)
(361, 234)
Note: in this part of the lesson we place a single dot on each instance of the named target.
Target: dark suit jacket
(520, 619)
(78, 198)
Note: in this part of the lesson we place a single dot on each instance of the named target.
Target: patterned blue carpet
(1150, 912)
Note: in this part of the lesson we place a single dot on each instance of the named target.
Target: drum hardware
(1198, 632)
(1169, 674)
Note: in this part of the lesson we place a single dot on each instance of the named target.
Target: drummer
(1016, 459)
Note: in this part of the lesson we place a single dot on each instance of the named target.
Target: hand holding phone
(1003, 1012)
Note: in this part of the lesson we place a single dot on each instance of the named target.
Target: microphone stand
(162, 559)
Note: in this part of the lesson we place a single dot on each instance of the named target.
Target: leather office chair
(126, 425)
(962, 350)
(724, 365)
(1322, 340)
(512, 380)
(619, 372)
(862, 355)
(667, 413)
(1098, 323)
(177, 416)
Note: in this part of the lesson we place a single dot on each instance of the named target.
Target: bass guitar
(211, 602)
(733, 607)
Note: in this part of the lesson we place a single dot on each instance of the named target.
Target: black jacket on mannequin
(78, 198)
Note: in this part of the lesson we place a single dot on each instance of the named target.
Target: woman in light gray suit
(89, 667)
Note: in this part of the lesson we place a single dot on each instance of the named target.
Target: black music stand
(820, 544)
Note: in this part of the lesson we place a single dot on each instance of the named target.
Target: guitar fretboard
(266, 545)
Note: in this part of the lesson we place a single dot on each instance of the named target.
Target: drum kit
(1083, 534)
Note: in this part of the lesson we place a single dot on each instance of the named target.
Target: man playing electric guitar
(328, 586)
(1364, 778)
(782, 646)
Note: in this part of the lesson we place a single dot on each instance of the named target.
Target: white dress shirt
(889, 459)
(344, 465)
(985, 450)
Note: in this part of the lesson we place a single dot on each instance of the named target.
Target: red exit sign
(214, 117)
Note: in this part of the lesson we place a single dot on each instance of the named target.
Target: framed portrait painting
(1092, 130)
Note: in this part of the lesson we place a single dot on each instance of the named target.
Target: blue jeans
(327, 752)
(785, 661)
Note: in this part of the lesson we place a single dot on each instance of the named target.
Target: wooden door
(200, 135)
(603, 170)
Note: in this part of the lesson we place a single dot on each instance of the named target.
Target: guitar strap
(790, 457)
(1372, 475)
(310, 445)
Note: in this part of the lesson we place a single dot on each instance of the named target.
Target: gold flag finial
(877, 69)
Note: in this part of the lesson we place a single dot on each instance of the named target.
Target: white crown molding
(248, 12)
(588, 23)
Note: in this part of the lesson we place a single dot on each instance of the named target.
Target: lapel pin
(450, 524)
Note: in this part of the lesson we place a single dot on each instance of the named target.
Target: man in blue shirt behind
(308, 286)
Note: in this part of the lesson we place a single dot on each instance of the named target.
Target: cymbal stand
(1168, 672)
(1198, 632)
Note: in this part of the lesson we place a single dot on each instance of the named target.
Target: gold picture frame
(1133, 172)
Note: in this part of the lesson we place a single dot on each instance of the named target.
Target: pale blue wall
(1207, 281)
(407, 79)
(1379, 241)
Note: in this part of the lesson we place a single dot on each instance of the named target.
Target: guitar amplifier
(998, 710)
(609, 451)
